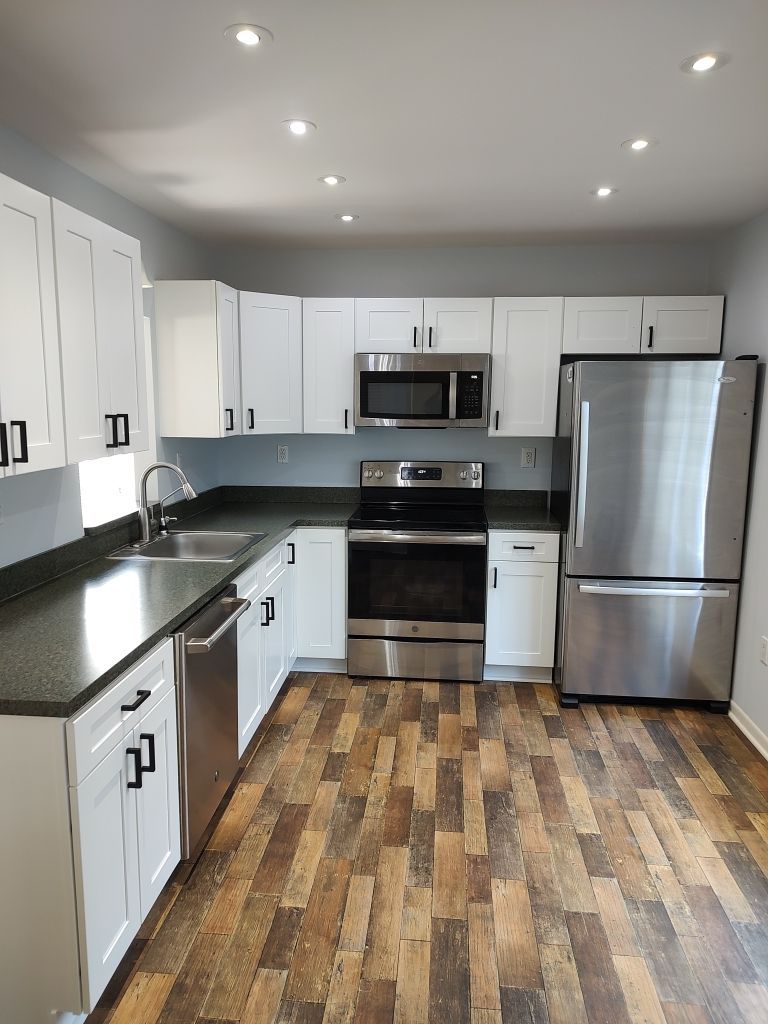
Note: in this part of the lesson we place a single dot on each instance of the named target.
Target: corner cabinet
(103, 348)
(526, 367)
(31, 417)
(329, 366)
(522, 600)
(270, 363)
(198, 354)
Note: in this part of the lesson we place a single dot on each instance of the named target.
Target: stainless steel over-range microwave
(421, 390)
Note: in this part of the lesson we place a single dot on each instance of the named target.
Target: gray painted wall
(740, 269)
(42, 510)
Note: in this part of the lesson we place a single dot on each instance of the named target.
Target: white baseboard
(751, 730)
(517, 674)
(320, 665)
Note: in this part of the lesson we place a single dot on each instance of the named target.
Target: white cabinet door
(157, 802)
(389, 325)
(251, 627)
(602, 326)
(457, 325)
(270, 363)
(106, 867)
(289, 597)
(321, 601)
(275, 640)
(526, 367)
(329, 366)
(228, 331)
(520, 615)
(30, 377)
(682, 324)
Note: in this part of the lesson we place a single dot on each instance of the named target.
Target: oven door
(417, 585)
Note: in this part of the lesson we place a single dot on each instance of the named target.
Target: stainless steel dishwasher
(206, 669)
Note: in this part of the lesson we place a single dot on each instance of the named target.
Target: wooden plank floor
(442, 853)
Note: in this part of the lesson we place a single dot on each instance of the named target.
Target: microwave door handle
(581, 495)
(452, 390)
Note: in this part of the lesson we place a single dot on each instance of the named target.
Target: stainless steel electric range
(417, 570)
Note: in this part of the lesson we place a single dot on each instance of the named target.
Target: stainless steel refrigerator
(650, 473)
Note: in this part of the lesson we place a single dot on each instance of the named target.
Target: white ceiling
(453, 121)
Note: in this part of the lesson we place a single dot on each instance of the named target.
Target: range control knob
(475, 474)
(368, 474)
(379, 474)
(463, 474)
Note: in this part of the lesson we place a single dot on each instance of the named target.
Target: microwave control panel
(469, 395)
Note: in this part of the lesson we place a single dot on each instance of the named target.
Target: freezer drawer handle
(199, 645)
(581, 500)
(650, 592)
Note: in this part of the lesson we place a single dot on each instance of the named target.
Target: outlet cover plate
(282, 453)
(527, 458)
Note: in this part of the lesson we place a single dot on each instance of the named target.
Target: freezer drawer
(646, 638)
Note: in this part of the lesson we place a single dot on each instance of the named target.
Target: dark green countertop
(65, 641)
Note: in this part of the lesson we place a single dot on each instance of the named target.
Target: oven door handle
(399, 537)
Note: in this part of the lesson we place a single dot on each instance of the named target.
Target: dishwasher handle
(200, 645)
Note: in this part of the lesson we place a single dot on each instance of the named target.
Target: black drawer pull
(524, 547)
(265, 606)
(22, 425)
(4, 445)
(135, 753)
(125, 443)
(271, 609)
(114, 443)
(141, 696)
(292, 555)
(150, 738)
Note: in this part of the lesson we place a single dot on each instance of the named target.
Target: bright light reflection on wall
(107, 489)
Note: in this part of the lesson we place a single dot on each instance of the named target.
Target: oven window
(400, 395)
(425, 583)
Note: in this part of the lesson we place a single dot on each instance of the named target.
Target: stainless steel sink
(192, 547)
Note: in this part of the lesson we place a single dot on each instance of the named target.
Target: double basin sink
(192, 547)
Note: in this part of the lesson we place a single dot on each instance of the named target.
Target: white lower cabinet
(522, 600)
(321, 594)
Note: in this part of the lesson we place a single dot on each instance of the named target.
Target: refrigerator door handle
(650, 592)
(581, 497)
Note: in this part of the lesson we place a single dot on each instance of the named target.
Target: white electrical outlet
(282, 453)
(527, 458)
(763, 646)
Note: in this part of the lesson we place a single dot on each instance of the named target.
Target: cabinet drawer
(250, 582)
(273, 564)
(102, 724)
(510, 546)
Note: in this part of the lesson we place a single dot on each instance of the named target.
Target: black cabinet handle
(524, 547)
(495, 577)
(346, 419)
(415, 331)
(114, 443)
(497, 420)
(650, 336)
(4, 445)
(141, 696)
(22, 425)
(125, 443)
(135, 753)
(251, 420)
(271, 609)
(430, 337)
(292, 556)
(265, 605)
(230, 413)
(150, 738)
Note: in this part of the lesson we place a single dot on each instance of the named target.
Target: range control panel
(421, 474)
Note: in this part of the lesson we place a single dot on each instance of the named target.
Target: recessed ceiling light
(347, 217)
(604, 191)
(297, 126)
(332, 179)
(639, 144)
(248, 35)
(702, 62)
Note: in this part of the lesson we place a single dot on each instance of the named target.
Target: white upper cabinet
(103, 349)
(526, 366)
(602, 326)
(198, 358)
(270, 363)
(682, 324)
(329, 364)
(389, 325)
(457, 325)
(31, 421)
